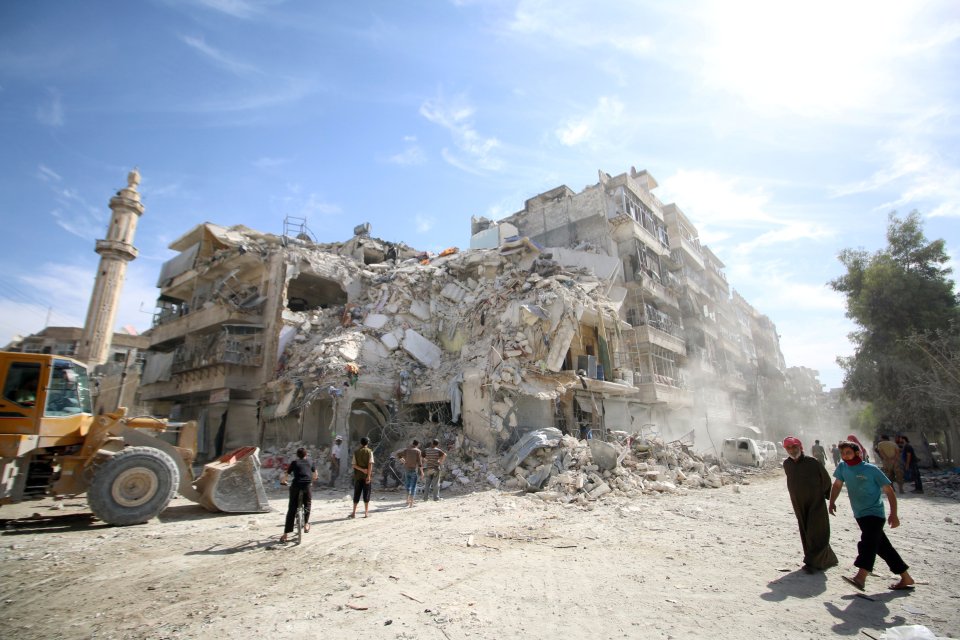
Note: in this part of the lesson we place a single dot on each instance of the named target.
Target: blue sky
(785, 133)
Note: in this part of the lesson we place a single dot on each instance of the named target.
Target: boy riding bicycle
(304, 472)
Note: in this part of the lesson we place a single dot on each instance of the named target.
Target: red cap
(791, 441)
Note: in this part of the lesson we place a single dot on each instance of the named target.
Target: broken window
(309, 291)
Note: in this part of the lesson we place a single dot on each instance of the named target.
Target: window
(68, 392)
(23, 378)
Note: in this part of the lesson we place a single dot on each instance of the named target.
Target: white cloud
(713, 200)
(47, 174)
(77, 216)
(791, 231)
(61, 291)
(456, 116)
(821, 58)
(51, 113)
(923, 179)
(583, 25)
(606, 117)
(237, 8)
(424, 223)
(412, 155)
(218, 57)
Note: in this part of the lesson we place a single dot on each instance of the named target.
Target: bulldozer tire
(133, 486)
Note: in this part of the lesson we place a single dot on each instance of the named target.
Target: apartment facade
(697, 353)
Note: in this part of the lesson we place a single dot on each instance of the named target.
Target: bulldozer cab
(45, 402)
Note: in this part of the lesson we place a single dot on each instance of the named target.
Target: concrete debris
(556, 467)
(944, 483)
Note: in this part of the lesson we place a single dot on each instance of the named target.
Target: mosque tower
(115, 252)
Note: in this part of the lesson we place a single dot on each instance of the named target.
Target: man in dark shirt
(433, 459)
(910, 465)
(304, 472)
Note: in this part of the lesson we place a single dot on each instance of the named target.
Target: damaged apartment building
(598, 310)
(697, 353)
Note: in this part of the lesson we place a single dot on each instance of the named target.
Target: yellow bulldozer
(130, 467)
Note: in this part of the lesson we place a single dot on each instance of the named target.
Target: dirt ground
(711, 563)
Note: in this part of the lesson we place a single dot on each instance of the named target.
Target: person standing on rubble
(304, 473)
(336, 453)
(808, 484)
(433, 459)
(866, 485)
(413, 469)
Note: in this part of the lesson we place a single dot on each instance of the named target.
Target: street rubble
(554, 468)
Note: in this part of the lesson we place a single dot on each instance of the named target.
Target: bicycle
(299, 519)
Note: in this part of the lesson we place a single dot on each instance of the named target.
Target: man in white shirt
(336, 454)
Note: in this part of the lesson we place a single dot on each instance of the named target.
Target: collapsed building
(593, 312)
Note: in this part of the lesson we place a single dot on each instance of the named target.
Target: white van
(742, 451)
(768, 450)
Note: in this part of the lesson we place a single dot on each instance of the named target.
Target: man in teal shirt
(865, 486)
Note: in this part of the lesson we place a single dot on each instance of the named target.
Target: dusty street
(718, 564)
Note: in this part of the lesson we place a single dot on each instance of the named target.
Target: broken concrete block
(374, 351)
(420, 309)
(390, 341)
(348, 351)
(421, 348)
(662, 486)
(604, 454)
(453, 291)
(599, 490)
(376, 320)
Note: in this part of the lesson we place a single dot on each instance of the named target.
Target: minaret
(115, 252)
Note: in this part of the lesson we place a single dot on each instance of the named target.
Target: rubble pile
(570, 470)
(942, 483)
(552, 466)
(509, 313)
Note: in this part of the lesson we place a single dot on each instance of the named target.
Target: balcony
(658, 389)
(693, 251)
(176, 327)
(222, 376)
(648, 334)
(658, 291)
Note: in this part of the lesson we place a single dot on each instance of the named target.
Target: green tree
(895, 295)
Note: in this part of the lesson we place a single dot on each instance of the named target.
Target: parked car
(742, 451)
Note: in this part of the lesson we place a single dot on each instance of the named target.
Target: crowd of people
(421, 468)
(813, 496)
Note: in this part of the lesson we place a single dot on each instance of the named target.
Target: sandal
(283, 539)
(306, 528)
(854, 583)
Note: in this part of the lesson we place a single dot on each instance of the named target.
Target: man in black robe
(809, 485)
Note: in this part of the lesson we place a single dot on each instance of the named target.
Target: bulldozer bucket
(232, 483)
